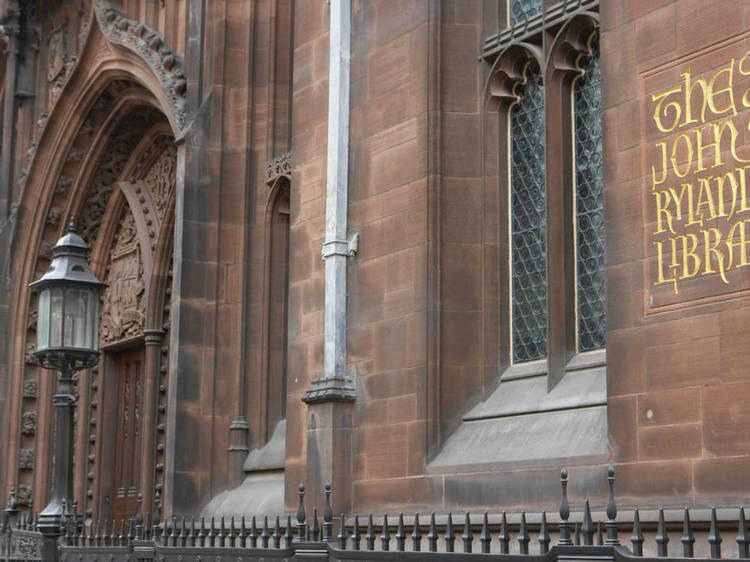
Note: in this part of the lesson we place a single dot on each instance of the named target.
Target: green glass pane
(521, 10)
(528, 223)
(592, 290)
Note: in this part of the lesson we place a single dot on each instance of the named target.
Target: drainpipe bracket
(346, 248)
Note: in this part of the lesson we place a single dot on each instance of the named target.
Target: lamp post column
(52, 518)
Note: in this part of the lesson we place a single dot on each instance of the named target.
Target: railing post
(564, 539)
(611, 524)
(301, 526)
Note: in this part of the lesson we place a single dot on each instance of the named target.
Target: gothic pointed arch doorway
(135, 254)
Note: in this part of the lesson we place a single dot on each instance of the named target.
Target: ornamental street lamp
(67, 340)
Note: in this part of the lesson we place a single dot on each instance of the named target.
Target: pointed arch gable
(109, 79)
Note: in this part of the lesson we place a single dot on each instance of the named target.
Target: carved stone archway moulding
(149, 45)
(120, 65)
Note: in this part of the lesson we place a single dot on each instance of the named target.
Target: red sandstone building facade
(550, 201)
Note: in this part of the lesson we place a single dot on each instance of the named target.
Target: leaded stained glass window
(592, 291)
(528, 218)
(520, 10)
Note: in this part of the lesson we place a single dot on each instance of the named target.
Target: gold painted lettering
(659, 98)
(661, 278)
(711, 249)
(720, 180)
(689, 98)
(662, 208)
(691, 208)
(713, 93)
(742, 244)
(689, 158)
(700, 147)
(743, 190)
(689, 254)
(654, 181)
(743, 72)
(677, 200)
(719, 131)
(705, 199)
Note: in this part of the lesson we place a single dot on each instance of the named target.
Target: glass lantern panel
(56, 317)
(528, 223)
(42, 323)
(92, 322)
(75, 317)
(592, 290)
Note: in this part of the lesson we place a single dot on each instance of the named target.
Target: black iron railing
(385, 538)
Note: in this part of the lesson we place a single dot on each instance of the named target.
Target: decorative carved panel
(23, 495)
(123, 142)
(28, 423)
(279, 167)
(26, 459)
(123, 310)
(30, 388)
(161, 179)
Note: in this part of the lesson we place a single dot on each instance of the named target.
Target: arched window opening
(278, 306)
(590, 233)
(528, 222)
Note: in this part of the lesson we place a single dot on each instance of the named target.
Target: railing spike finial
(450, 537)
(266, 535)
(288, 535)
(523, 535)
(254, 533)
(211, 534)
(743, 541)
(637, 537)
(564, 539)
(544, 538)
(343, 537)
(385, 537)
(202, 533)
(356, 537)
(316, 525)
(504, 537)
(243, 533)
(587, 526)
(611, 524)
(432, 535)
(688, 540)
(328, 514)
(714, 536)
(416, 535)
(468, 536)
(370, 536)
(485, 538)
(277, 533)
(662, 538)
(301, 525)
(401, 534)
(599, 534)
